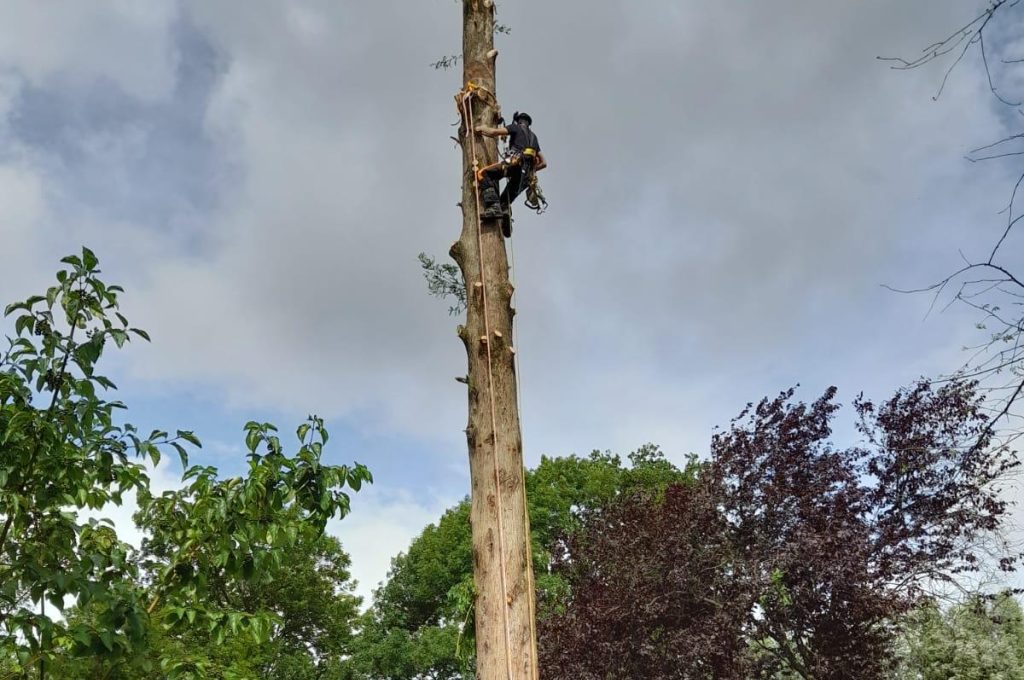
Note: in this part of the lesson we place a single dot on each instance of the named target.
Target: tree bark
(502, 573)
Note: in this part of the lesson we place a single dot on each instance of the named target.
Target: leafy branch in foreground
(62, 451)
(70, 587)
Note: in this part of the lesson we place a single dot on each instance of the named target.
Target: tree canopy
(69, 587)
(977, 639)
(788, 555)
(782, 555)
(421, 621)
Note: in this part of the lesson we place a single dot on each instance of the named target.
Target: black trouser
(518, 174)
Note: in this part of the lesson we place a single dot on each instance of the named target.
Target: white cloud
(383, 523)
(21, 203)
(23, 213)
(313, 298)
(756, 174)
(712, 222)
(73, 43)
(753, 200)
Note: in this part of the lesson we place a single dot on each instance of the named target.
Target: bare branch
(993, 157)
(1011, 218)
(1010, 138)
(959, 42)
(988, 72)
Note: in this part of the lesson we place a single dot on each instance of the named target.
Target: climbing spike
(512, 349)
(492, 54)
(498, 334)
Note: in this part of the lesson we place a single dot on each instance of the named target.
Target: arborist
(518, 166)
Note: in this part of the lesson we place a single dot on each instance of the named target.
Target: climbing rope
(526, 509)
(467, 111)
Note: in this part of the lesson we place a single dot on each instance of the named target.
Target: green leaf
(24, 322)
(86, 389)
(82, 636)
(89, 259)
(90, 352)
(190, 437)
(182, 454)
(105, 382)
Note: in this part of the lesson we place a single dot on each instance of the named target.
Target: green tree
(311, 593)
(63, 450)
(979, 639)
(421, 624)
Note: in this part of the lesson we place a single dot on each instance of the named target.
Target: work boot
(492, 212)
(492, 207)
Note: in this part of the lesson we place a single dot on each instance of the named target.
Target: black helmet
(521, 115)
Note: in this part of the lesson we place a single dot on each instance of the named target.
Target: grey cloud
(69, 44)
(729, 185)
(123, 158)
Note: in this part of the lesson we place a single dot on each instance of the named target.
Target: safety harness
(526, 158)
(534, 195)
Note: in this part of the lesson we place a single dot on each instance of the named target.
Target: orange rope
(467, 107)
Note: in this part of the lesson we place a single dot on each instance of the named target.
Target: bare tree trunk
(505, 629)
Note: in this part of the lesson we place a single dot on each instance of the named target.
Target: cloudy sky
(730, 185)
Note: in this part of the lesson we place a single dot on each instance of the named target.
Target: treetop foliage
(64, 449)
